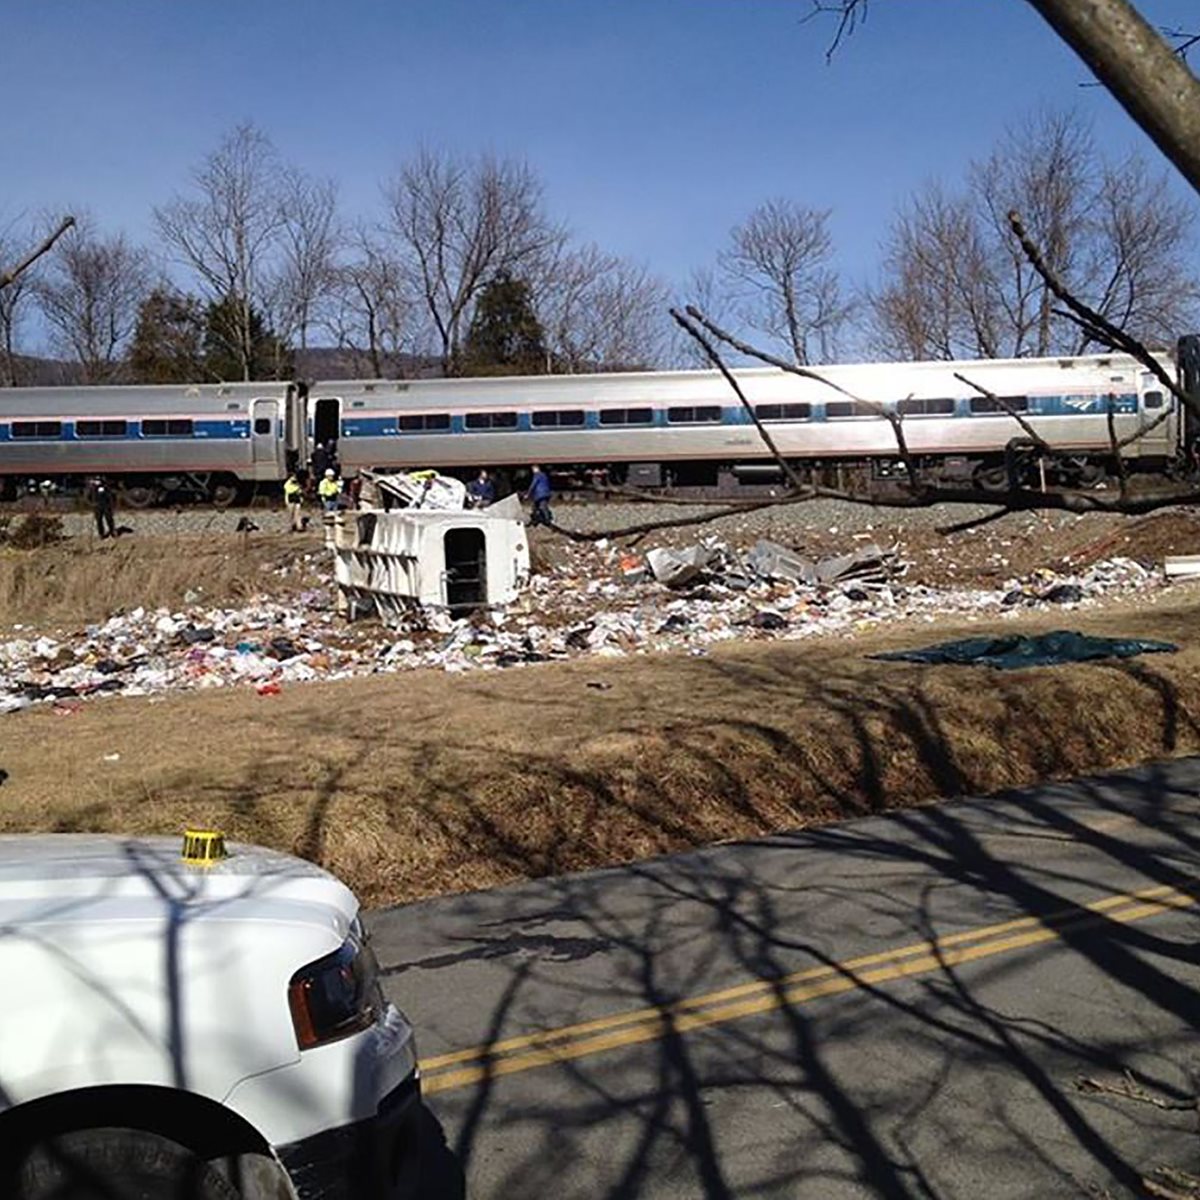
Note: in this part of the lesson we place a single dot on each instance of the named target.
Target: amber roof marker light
(203, 847)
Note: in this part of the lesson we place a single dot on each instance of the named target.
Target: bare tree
(229, 228)
(937, 299)
(702, 289)
(458, 223)
(956, 284)
(15, 301)
(90, 294)
(1139, 272)
(310, 239)
(599, 312)
(777, 266)
(373, 311)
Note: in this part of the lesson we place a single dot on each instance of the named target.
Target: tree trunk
(1152, 83)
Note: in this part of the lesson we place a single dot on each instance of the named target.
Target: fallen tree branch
(1096, 323)
(1119, 463)
(713, 357)
(12, 275)
(1129, 1089)
(892, 417)
(634, 496)
(1012, 412)
(972, 522)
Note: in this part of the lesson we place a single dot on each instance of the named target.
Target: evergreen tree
(168, 339)
(505, 337)
(270, 357)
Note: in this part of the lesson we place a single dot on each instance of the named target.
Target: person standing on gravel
(330, 490)
(319, 462)
(539, 494)
(100, 497)
(293, 497)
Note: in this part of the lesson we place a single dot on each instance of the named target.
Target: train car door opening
(327, 422)
(263, 438)
(466, 569)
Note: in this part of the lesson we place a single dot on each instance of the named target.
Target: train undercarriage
(218, 488)
(1022, 465)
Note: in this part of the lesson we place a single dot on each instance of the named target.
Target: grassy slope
(414, 784)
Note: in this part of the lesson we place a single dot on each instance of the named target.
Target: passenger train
(662, 429)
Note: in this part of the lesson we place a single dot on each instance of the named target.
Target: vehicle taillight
(337, 995)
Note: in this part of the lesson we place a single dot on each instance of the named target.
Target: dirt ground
(422, 783)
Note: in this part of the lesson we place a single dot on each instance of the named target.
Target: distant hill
(317, 362)
(44, 372)
(331, 362)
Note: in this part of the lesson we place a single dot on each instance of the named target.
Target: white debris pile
(594, 601)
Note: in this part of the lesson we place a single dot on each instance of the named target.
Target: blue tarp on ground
(1044, 650)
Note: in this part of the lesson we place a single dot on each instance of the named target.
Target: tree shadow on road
(925, 1083)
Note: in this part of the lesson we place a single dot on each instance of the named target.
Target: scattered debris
(425, 490)
(677, 568)
(1183, 566)
(446, 606)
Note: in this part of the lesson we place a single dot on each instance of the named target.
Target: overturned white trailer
(390, 563)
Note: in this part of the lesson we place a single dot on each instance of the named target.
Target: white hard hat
(328, 472)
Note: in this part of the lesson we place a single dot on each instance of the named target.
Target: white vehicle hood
(57, 878)
(123, 964)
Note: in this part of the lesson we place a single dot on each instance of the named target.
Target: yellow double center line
(463, 1068)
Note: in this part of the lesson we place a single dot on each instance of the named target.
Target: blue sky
(655, 124)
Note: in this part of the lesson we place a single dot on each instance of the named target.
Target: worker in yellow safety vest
(329, 489)
(293, 497)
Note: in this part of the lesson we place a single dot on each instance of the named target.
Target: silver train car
(651, 429)
(209, 441)
(687, 428)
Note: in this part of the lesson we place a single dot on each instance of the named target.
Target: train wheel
(139, 495)
(992, 479)
(224, 494)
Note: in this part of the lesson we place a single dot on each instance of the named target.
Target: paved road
(947, 1002)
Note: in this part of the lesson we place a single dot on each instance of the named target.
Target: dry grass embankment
(67, 584)
(415, 784)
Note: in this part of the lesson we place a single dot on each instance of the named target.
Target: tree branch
(713, 357)
(1012, 412)
(1103, 329)
(11, 276)
(893, 418)
(1150, 80)
(1118, 458)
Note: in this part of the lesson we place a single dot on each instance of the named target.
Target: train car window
(990, 406)
(559, 419)
(37, 429)
(709, 414)
(1153, 399)
(262, 424)
(838, 409)
(175, 427)
(423, 422)
(100, 428)
(627, 416)
(911, 407)
(491, 420)
(783, 412)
